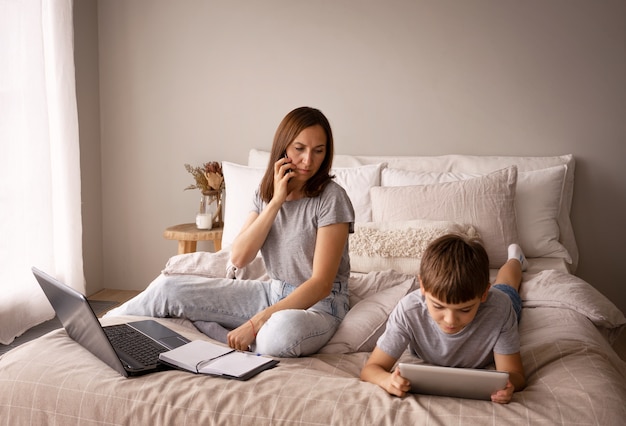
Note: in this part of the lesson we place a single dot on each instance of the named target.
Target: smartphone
(285, 156)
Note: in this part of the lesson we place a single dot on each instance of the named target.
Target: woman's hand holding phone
(281, 178)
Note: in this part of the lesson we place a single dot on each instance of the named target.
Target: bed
(567, 327)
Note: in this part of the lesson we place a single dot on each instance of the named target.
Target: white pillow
(214, 265)
(538, 200)
(377, 246)
(401, 177)
(366, 320)
(486, 202)
(240, 182)
(537, 205)
(357, 182)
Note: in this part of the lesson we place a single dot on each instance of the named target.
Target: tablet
(456, 382)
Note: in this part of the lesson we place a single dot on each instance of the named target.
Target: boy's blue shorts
(514, 296)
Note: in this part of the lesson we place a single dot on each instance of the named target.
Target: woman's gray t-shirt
(290, 245)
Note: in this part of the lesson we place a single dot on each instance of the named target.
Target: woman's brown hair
(288, 129)
(455, 269)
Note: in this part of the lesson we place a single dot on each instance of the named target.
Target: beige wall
(195, 81)
(87, 94)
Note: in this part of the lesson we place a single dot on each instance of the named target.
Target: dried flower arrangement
(210, 180)
(208, 177)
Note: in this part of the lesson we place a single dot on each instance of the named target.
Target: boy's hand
(377, 370)
(511, 363)
(395, 384)
(503, 396)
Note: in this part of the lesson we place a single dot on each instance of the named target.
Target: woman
(300, 224)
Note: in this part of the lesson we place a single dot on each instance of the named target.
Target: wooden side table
(188, 236)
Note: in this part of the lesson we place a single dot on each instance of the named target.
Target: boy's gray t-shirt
(289, 247)
(494, 329)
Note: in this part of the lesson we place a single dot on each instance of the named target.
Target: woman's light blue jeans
(231, 302)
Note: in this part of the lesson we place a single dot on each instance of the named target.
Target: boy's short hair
(455, 269)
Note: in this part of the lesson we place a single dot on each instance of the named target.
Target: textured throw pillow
(365, 322)
(486, 202)
(377, 246)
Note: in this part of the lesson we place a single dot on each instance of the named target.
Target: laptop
(131, 349)
(455, 382)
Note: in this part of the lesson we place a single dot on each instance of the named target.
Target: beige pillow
(378, 246)
(538, 196)
(486, 202)
(366, 320)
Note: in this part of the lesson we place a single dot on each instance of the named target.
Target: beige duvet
(574, 377)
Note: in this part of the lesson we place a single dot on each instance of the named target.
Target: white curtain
(40, 204)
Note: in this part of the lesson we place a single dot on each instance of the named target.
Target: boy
(455, 319)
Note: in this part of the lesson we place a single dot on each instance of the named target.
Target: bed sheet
(574, 377)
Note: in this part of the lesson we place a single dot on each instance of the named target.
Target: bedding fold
(556, 289)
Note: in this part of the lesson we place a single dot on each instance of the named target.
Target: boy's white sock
(515, 252)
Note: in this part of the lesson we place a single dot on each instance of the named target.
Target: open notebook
(203, 357)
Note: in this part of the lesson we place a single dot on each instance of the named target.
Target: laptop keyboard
(133, 343)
